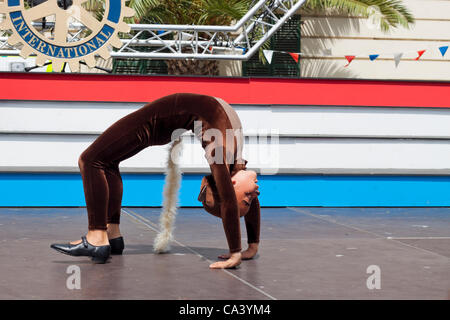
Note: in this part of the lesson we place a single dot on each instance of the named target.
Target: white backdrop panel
(295, 121)
(292, 155)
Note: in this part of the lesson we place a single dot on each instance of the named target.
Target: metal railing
(237, 42)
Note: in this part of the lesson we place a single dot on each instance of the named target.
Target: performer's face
(244, 182)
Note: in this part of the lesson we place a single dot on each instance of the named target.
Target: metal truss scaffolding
(159, 41)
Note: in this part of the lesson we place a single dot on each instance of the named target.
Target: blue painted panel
(53, 189)
(114, 10)
(355, 191)
(13, 3)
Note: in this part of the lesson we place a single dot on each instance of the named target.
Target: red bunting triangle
(349, 59)
(294, 56)
(420, 52)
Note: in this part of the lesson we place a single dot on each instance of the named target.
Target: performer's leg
(99, 170)
(115, 186)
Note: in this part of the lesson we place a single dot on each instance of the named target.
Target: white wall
(50, 136)
(356, 36)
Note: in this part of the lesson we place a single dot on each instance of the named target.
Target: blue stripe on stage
(66, 189)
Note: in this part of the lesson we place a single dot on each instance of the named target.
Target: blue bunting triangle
(443, 50)
(373, 56)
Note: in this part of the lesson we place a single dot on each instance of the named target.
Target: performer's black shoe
(98, 254)
(117, 245)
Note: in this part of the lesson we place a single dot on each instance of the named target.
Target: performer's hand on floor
(233, 261)
(247, 254)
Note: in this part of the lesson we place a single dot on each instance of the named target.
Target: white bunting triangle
(268, 54)
(397, 58)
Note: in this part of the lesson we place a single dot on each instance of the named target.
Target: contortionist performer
(229, 192)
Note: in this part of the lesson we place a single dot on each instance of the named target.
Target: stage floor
(305, 253)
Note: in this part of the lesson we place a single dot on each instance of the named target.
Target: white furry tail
(170, 202)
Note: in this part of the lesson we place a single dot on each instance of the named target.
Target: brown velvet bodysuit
(154, 124)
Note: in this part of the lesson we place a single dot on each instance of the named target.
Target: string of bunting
(268, 54)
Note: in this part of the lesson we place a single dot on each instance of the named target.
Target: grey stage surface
(305, 253)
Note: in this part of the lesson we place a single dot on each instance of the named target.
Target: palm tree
(197, 12)
(224, 12)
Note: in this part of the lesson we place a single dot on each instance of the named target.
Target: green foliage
(223, 12)
(393, 12)
(198, 12)
(95, 6)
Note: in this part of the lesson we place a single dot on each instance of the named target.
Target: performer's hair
(170, 201)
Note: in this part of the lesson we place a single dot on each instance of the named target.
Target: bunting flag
(420, 52)
(397, 58)
(268, 54)
(349, 59)
(294, 56)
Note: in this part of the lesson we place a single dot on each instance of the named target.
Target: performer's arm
(252, 224)
(229, 213)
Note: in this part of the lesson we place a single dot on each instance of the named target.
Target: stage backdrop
(314, 142)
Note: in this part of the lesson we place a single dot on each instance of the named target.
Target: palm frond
(146, 10)
(223, 12)
(393, 12)
(97, 7)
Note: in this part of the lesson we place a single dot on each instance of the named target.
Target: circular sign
(68, 31)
